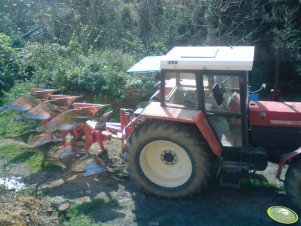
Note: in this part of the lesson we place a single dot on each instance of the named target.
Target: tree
(286, 41)
(232, 22)
(9, 67)
(18, 17)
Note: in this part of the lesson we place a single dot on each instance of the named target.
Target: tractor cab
(211, 80)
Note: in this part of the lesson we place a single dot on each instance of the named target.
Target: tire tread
(187, 136)
(292, 183)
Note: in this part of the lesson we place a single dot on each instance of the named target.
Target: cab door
(225, 97)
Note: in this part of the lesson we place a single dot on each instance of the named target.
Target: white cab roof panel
(147, 65)
(236, 58)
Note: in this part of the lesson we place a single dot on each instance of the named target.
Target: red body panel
(276, 114)
(156, 111)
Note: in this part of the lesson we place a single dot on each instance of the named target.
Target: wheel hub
(165, 163)
(168, 157)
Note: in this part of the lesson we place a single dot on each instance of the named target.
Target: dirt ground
(111, 198)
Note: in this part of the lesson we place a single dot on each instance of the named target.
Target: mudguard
(286, 157)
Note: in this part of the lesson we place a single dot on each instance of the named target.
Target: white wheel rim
(165, 163)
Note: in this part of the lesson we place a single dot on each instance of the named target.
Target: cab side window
(181, 90)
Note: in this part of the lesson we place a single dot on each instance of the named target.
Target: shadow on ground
(112, 198)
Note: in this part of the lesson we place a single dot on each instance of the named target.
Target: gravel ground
(112, 198)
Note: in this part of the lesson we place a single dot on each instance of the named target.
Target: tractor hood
(276, 114)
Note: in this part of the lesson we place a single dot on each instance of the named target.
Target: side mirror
(217, 93)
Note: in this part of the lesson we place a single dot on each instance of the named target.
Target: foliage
(81, 41)
(105, 73)
(68, 68)
(9, 70)
(232, 22)
(19, 16)
(285, 42)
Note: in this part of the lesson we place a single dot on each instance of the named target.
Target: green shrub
(9, 66)
(101, 73)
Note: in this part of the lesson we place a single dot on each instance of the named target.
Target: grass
(9, 126)
(89, 207)
(74, 217)
(78, 214)
(258, 182)
(14, 153)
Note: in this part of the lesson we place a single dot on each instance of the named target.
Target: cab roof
(229, 58)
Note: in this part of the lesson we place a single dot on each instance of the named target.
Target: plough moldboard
(67, 129)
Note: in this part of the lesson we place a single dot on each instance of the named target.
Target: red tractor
(201, 124)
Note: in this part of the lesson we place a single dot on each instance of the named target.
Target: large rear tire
(292, 184)
(167, 159)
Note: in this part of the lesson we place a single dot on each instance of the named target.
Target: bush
(100, 74)
(9, 67)
(105, 73)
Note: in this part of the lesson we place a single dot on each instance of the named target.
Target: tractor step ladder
(232, 173)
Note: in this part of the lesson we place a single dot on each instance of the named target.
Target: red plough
(65, 123)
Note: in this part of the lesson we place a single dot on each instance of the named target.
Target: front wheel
(167, 159)
(292, 183)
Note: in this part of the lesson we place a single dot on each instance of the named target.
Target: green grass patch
(89, 207)
(79, 214)
(14, 153)
(10, 127)
(75, 216)
(258, 182)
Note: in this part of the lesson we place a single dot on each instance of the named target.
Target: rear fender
(285, 158)
(156, 111)
(207, 132)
